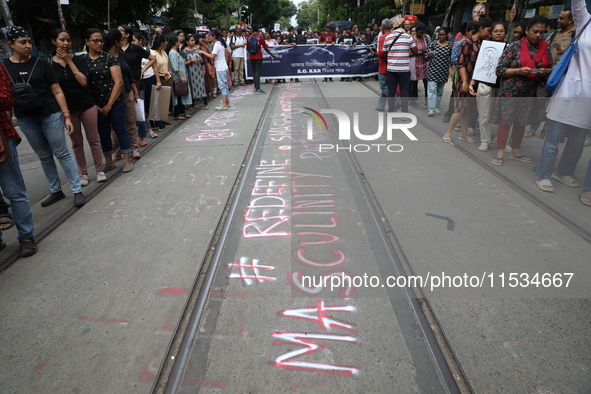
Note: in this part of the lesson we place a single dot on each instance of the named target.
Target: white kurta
(571, 102)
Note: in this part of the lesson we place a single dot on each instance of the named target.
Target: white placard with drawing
(487, 61)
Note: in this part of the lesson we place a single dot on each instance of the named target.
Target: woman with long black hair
(43, 123)
(106, 84)
(71, 72)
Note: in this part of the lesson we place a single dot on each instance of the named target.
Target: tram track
(412, 308)
(556, 214)
(448, 366)
(66, 213)
(171, 371)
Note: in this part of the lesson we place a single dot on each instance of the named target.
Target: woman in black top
(134, 54)
(43, 124)
(106, 85)
(71, 72)
(113, 46)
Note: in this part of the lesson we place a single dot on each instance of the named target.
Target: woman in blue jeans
(569, 115)
(11, 179)
(106, 84)
(42, 122)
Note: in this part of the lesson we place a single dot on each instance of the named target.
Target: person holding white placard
(487, 93)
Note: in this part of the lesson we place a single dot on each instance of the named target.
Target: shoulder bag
(560, 69)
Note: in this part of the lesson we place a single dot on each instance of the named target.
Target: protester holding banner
(328, 38)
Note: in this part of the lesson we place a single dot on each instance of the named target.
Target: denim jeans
(13, 188)
(435, 92)
(115, 118)
(383, 78)
(256, 65)
(47, 137)
(223, 83)
(573, 149)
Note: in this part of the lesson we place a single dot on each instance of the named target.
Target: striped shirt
(398, 55)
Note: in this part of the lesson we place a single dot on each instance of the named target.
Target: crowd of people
(99, 92)
(516, 100)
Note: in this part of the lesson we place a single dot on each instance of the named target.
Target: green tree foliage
(267, 12)
(122, 11)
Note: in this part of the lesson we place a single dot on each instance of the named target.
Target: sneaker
(437, 111)
(53, 198)
(587, 142)
(27, 246)
(84, 179)
(380, 109)
(101, 177)
(79, 199)
(256, 91)
(135, 153)
(430, 113)
(127, 167)
(261, 91)
(483, 147)
(508, 149)
(470, 131)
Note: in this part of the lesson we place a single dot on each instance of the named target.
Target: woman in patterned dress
(418, 64)
(179, 72)
(195, 70)
(519, 87)
(207, 63)
(439, 56)
(465, 102)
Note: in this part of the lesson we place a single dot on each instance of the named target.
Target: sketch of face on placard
(479, 9)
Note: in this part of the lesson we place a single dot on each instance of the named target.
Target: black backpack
(25, 97)
(253, 44)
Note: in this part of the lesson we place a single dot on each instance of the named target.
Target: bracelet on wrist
(67, 117)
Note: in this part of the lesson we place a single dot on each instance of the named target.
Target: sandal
(206, 107)
(153, 134)
(6, 223)
(522, 158)
(530, 134)
(187, 116)
(142, 143)
(447, 140)
(168, 122)
(566, 180)
(180, 118)
(585, 198)
(497, 161)
(467, 139)
(545, 185)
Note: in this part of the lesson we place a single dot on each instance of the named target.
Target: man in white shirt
(238, 46)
